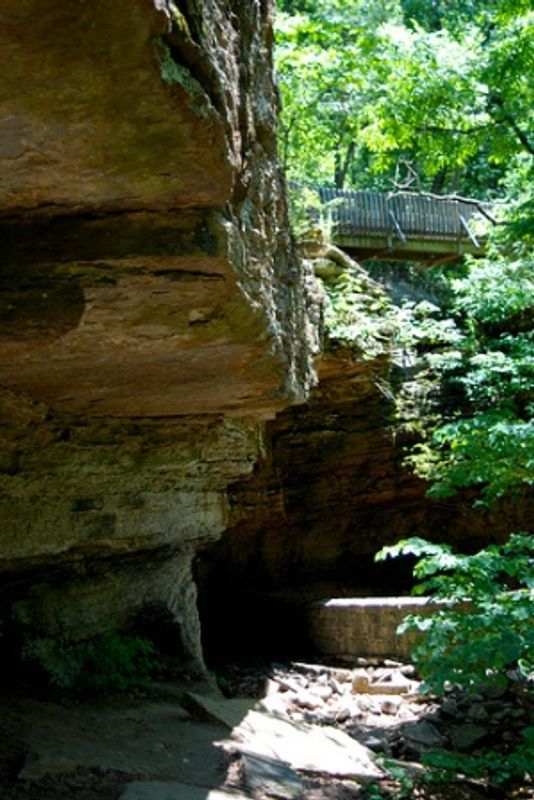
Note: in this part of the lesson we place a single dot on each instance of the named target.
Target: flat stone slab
(147, 740)
(161, 790)
(271, 777)
(321, 750)
(221, 711)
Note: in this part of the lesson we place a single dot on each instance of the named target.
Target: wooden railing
(403, 221)
(405, 213)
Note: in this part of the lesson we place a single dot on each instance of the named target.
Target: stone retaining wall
(347, 628)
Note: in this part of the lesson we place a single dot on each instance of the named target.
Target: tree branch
(521, 135)
(502, 116)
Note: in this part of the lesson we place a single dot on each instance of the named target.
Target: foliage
(487, 450)
(496, 634)
(400, 785)
(479, 348)
(480, 630)
(439, 96)
(327, 57)
(309, 215)
(488, 441)
(501, 768)
(110, 661)
(422, 325)
(496, 290)
(358, 314)
(445, 88)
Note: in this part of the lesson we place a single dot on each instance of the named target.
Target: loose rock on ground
(306, 731)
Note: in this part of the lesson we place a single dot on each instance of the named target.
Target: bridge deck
(415, 227)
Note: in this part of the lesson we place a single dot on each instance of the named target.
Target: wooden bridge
(405, 225)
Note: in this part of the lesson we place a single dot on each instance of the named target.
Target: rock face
(152, 311)
(329, 493)
(142, 228)
(156, 339)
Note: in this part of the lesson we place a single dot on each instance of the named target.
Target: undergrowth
(479, 633)
(110, 661)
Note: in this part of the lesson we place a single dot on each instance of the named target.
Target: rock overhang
(89, 122)
(156, 327)
(152, 309)
(132, 281)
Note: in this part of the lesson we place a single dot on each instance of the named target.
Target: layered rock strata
(152, 310)
(332, 489)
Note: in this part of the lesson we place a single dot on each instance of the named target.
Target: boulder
(466, 736)
(271, 777)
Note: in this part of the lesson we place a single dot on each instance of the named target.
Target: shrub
(110, 661)
(497, 633)
(489, 642)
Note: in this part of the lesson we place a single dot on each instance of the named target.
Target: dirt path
(81, 749)
(185, 741)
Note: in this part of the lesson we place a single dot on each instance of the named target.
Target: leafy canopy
(368, 85)
(435, 96)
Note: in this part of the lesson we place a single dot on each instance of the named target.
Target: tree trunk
(342, 165)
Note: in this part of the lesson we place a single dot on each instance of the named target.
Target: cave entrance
(157, 623)
(244, 618)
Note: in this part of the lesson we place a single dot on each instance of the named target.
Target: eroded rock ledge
(332, 489)
(152, 310)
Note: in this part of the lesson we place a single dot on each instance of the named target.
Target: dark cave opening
(156, 623)
(246, 620)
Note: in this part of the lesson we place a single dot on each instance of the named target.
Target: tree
(488, 439)
(329, 61)
(446, 89)
(444, 86)
(488, 645)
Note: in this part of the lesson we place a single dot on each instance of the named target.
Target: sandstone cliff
(333, 488)
(158, 413)
(152, 311)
